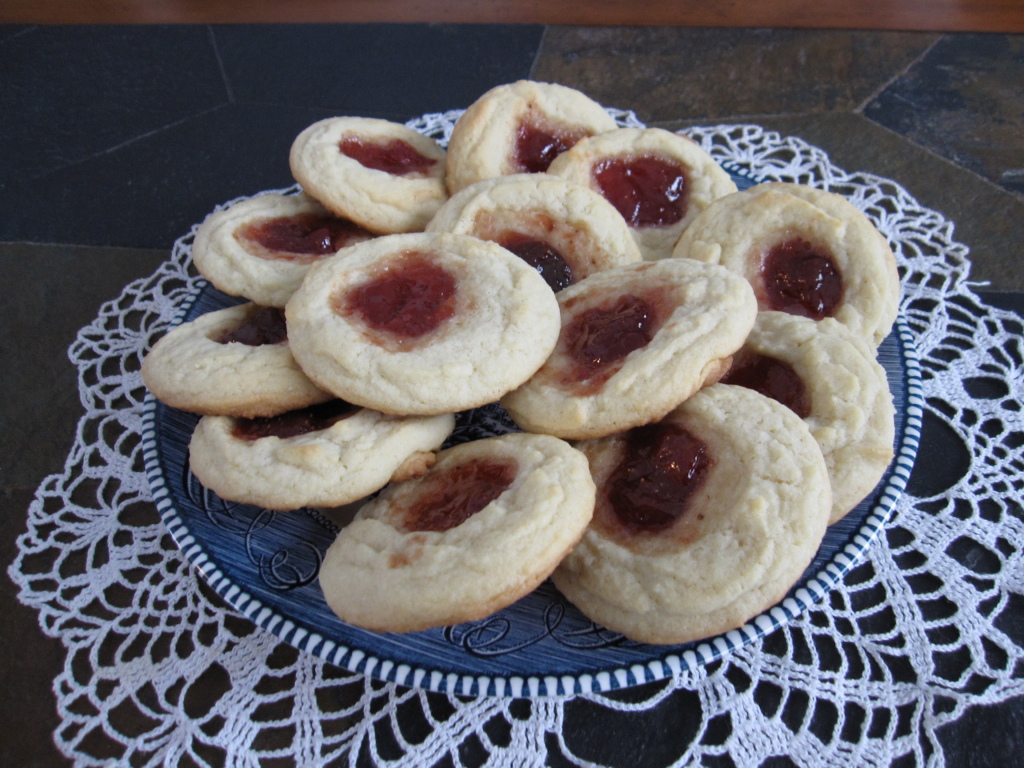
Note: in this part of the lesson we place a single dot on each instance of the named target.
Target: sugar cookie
(520, 128)
(702, 521)
(327, 455)
(658, 180)
(385, 176)
(635, 342)
(260, 248)
(564, 230)
(486, 525)
(832, 380)
(422, 323)
(233, 362)
(805, 251)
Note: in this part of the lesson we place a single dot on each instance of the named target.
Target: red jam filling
(396, 157)
(264, 326)
(536, 148)
(597, 340)
(304, 237)
(664, 466)
(647, 191)
(408, 299)
(801, 280)
(541, 256)
(294, 423)
(772, 378)
(449, 498)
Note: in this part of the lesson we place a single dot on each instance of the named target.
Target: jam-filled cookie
(635, 342)
(832, 380)
(261, 248)
(564, 230)
(703, 520)
(806, 252)
(520, 128)
(233, 362)
(487, 524)
(422, 323)
(385, 176)
(326, 455)
(658, 180)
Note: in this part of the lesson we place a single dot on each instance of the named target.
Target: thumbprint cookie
(422, 323)
(232, 362)
(382, 175)
(831, 379)
(565, 231)
(635, 342)
(658, 180)
(520, 128)
(702, 521)
(326, 455)
(260, 248)
(483, 527)
(805, 251)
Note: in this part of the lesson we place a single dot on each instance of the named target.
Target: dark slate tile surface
(8, 31)
(151, 191)
(28, 709)
(999, 747)
(68, 94)
(680, 73)
(353, 69)
(59, 290)
(963, 101)
(133, 134)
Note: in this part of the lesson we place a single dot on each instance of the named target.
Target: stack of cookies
(692, 368)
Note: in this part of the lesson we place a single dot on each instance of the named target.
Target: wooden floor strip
(922, 15)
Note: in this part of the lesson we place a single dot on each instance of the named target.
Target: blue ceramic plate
(265, 564)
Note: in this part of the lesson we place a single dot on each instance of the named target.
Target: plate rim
(361, 661)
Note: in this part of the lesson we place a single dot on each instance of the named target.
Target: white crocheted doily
(160, 671)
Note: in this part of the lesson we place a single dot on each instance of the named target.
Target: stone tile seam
(755, 118)
(859, 109)
(128, 142)
(537, 53)
(212, 34)
(19, 33)
(947, 161)
(130, 249)
(751, 117)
